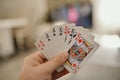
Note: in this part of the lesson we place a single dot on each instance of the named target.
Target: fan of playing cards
(76, 40)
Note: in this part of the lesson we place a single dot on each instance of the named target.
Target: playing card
(78, 53)
(54, 35)
(59, 40)
(42, 44)
(67, 28)
(76, 29)
(62, 35)
(85, 31)
(73, 32)
(56, 48)
(77, 41)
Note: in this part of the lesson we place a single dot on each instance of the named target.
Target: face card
(78, 52)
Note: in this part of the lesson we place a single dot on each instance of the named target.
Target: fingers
(35, 59)
(51, 65)
(38, 53)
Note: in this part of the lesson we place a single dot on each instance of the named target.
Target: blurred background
(23, 21)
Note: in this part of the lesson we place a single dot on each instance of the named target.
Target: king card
(79, 51)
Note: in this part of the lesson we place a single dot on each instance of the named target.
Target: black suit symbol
(54, 34)
(60, 33)
(48, 39)
(70, 34)
(74, 35)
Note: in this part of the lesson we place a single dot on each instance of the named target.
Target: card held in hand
(77, 41)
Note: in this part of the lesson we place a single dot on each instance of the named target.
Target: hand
(36, 66)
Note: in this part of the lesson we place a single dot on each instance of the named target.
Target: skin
(36, 66)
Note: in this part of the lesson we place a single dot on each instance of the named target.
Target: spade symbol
(70, 34)
(54, 34)
(48, 39)
(60, 33)
(74, 35)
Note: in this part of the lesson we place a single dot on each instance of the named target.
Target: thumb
(57, 61)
